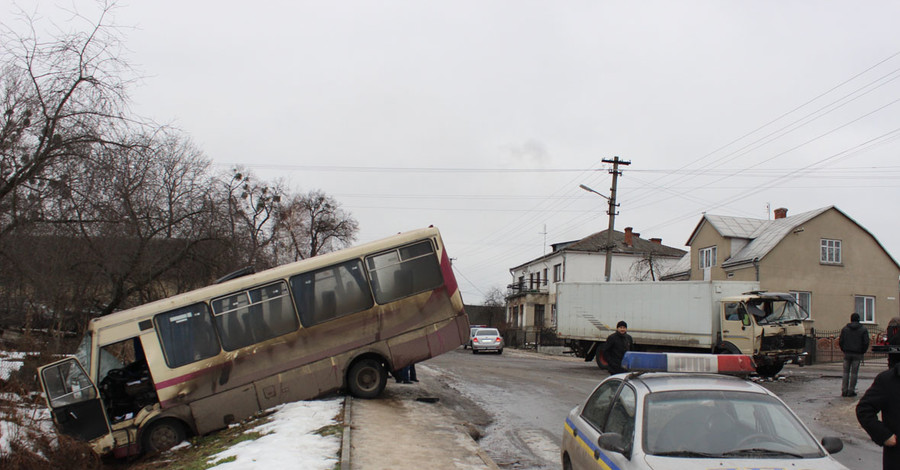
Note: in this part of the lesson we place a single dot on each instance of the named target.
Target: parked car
(487, 339)
(674, 420)
(472, 330)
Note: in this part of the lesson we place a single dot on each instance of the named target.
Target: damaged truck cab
(767, 326)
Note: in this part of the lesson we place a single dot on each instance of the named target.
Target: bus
(144, 379)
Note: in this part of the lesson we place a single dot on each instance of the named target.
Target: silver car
(487, 339)
(671, 421)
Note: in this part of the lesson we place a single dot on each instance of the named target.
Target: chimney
(628, 236)
(780, 213)
(658, 241)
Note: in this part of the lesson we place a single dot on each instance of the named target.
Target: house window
(804, 299)
(557, 272)
(546, 277)
(831, 251)
(865, 307)
(707, 257)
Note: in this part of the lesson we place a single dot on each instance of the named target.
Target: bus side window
(187, 335)
(403, 272)
(331, 292)
(253, 316)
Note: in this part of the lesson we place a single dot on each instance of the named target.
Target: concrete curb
(345, 438)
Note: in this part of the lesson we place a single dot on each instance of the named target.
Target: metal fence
(828, 350)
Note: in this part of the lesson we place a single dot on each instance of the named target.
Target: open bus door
(74, 400)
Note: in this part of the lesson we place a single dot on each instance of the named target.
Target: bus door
(73, 400)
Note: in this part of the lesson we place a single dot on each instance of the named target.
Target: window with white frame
(865, 307)
(707, 257)
(557, 272)
(831, 251)
(804, 299)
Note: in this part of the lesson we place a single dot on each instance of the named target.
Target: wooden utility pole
(612, 210)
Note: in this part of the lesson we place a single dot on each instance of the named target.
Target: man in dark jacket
(615, 347)
(884, 397)
(893, 339)
(854, 342)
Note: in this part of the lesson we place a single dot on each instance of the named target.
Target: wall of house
(865, 270)
(706, 237)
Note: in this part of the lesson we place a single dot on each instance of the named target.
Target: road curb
(345, 438)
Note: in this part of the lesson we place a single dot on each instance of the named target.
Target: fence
(828, 350)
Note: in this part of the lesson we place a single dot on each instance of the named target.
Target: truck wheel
(770, 370)
(162, 435)
(601, 361)
(366, 378)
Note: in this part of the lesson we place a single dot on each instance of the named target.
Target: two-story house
(832, 265)
(531, 297)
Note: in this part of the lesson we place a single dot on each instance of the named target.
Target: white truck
(718, 317)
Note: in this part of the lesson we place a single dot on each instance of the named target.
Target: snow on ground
(289, 438)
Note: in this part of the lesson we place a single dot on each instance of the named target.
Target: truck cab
(765, 325)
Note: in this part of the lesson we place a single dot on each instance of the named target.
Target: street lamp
(609, 229)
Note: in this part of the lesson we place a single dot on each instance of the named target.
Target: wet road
(515, 403)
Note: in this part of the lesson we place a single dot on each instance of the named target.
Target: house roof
(764, 235)
(596, 243)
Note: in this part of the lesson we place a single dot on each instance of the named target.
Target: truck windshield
(777, 311)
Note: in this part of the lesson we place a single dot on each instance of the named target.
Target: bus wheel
(366, 378)
(163, 435)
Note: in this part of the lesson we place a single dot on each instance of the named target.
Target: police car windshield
(724, 424)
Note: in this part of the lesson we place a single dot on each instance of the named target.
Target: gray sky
(483, 117)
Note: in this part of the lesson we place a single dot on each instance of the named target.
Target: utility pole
(612, 210)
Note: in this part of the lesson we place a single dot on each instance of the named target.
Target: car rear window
(487, 332)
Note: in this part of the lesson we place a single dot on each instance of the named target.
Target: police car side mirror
(614, 442)
(832, 444)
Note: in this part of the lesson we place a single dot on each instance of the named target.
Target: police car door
(592, 422)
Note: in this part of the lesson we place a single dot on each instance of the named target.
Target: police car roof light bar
(735, 364)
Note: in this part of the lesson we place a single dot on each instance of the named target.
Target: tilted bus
(145, 378)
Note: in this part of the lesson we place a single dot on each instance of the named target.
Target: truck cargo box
(677, 313)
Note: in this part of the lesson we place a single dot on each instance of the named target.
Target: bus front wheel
(163, 435)
(366, 378)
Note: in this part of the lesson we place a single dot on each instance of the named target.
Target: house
(531, 298)
(832, 264)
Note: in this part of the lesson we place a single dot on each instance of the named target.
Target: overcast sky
(483, 117)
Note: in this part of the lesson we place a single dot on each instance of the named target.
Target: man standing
(854, 342)
(615, 347)
(884, 397)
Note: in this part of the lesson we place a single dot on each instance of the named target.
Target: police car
(689, 411)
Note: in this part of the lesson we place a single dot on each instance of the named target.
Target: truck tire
(366, 378)
(770, 370)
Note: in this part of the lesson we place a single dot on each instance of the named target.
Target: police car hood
(681, 463)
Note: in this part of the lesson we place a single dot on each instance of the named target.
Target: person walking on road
(854, 342)
(615, 347)
(883, 397)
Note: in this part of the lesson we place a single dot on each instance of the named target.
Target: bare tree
(137, 213)
(250, 214)
(60, 98)
(494, 297)
(311, 224)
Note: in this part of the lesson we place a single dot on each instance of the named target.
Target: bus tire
(366, 378)
(162, 435)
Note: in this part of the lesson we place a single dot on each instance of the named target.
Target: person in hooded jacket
(854, 342)
(883, 397)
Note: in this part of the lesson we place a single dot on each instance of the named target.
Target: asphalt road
(515, 404)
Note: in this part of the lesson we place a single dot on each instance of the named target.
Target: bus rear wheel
(366, 378)
(163, 435)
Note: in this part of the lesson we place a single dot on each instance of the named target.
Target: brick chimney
(780, 213)
(658, 241)
(628, 236)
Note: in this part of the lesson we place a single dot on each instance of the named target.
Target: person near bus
(883, 397)
(615, 347)
(854, 342)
